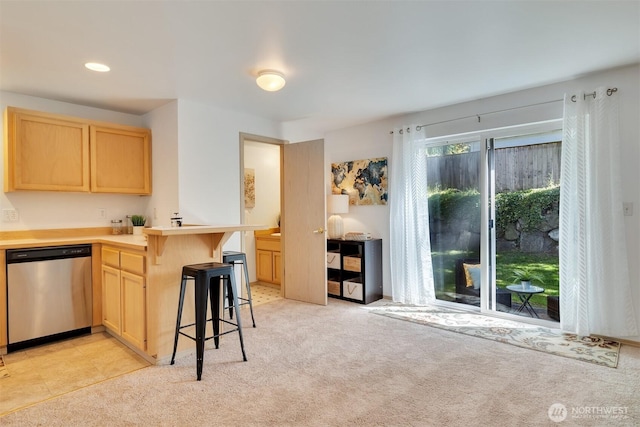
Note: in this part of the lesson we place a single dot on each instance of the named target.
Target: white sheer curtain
(410, 246)
(595, 294)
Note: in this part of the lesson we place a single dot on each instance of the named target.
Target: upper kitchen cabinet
(51, 152)
(120, 160)
(45, 152)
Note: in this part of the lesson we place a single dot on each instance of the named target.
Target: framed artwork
(249, 188)
(365, 181)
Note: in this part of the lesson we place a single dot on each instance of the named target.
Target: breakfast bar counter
(169, 249)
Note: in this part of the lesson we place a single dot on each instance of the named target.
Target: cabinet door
(111, 298)
(277, 267)
(120, 160)
(45, 152)
(264, 265)
(134, 319)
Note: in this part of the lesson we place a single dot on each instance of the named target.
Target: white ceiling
(346, 62)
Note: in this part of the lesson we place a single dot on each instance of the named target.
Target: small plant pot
(137, 230)
(526, 284)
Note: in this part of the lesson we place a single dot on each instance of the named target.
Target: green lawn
(543, 264)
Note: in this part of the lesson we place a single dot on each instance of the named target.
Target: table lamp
(336, 204)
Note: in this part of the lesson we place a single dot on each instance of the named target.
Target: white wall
(51, 209)
(264, 159)
(208, 162)
(163, 202)
(373, 140)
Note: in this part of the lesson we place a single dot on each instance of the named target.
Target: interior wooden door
(303, 222)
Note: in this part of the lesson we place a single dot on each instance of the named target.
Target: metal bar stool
(207, 278)
(233, 258)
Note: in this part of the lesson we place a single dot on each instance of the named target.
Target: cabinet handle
(319, 231)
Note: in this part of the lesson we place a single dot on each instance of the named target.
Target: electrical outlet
(627, 208)
(10, 215)
(102, 213)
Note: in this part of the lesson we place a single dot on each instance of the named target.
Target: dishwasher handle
(47, 253)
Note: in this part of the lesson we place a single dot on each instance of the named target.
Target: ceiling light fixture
(95, 66)
(270, 80)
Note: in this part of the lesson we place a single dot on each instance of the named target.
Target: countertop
(201, 229)
(127, 240)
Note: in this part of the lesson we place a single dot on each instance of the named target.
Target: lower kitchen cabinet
(124, 308)
(268, 258)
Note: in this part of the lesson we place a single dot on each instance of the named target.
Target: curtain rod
(584, 96)
(573, 98)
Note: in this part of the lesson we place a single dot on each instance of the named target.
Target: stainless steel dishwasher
(48, 294)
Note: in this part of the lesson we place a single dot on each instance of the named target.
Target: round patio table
(525, 293)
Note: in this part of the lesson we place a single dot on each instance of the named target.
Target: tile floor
(40, 373)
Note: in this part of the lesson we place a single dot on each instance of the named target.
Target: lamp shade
(338, 203)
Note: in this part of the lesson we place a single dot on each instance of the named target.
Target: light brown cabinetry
(45, 152)
(268, 258)
(124, 308)
(120, 160)
(3, 300)
(52, 152)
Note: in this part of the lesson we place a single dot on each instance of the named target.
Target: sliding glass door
(453, 179)
(493, 219)
(524, 195)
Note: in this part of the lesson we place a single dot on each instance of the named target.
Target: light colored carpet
(588, 349)
(338, 365)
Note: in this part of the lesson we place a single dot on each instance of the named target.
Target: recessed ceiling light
(270, 80)
(95, 66)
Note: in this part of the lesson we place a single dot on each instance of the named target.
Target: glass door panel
(524, 193)
(453, 180)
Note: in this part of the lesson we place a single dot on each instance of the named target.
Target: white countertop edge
(201, 229)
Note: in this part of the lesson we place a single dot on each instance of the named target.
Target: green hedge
(529, 206)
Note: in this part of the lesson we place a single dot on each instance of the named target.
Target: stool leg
(214, 296)
(183, 284)
(229, 293)
(202, 287)
(232, 279)
(248, 286)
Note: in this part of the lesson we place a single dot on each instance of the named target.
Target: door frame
(487, 260)
(244, 137)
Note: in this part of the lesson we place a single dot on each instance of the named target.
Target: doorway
(261, 164)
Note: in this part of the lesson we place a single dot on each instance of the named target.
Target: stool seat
(208, 278)
(233, 258)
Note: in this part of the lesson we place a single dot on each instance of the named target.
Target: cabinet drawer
(333, 260)
(353, 289)
(111, 257)
(132, 263)
(351, 263)
(333, 287)
(268, 245)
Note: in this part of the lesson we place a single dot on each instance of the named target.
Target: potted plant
(526, 277)
(138, 222)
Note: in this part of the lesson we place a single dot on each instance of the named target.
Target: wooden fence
(517, 168)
